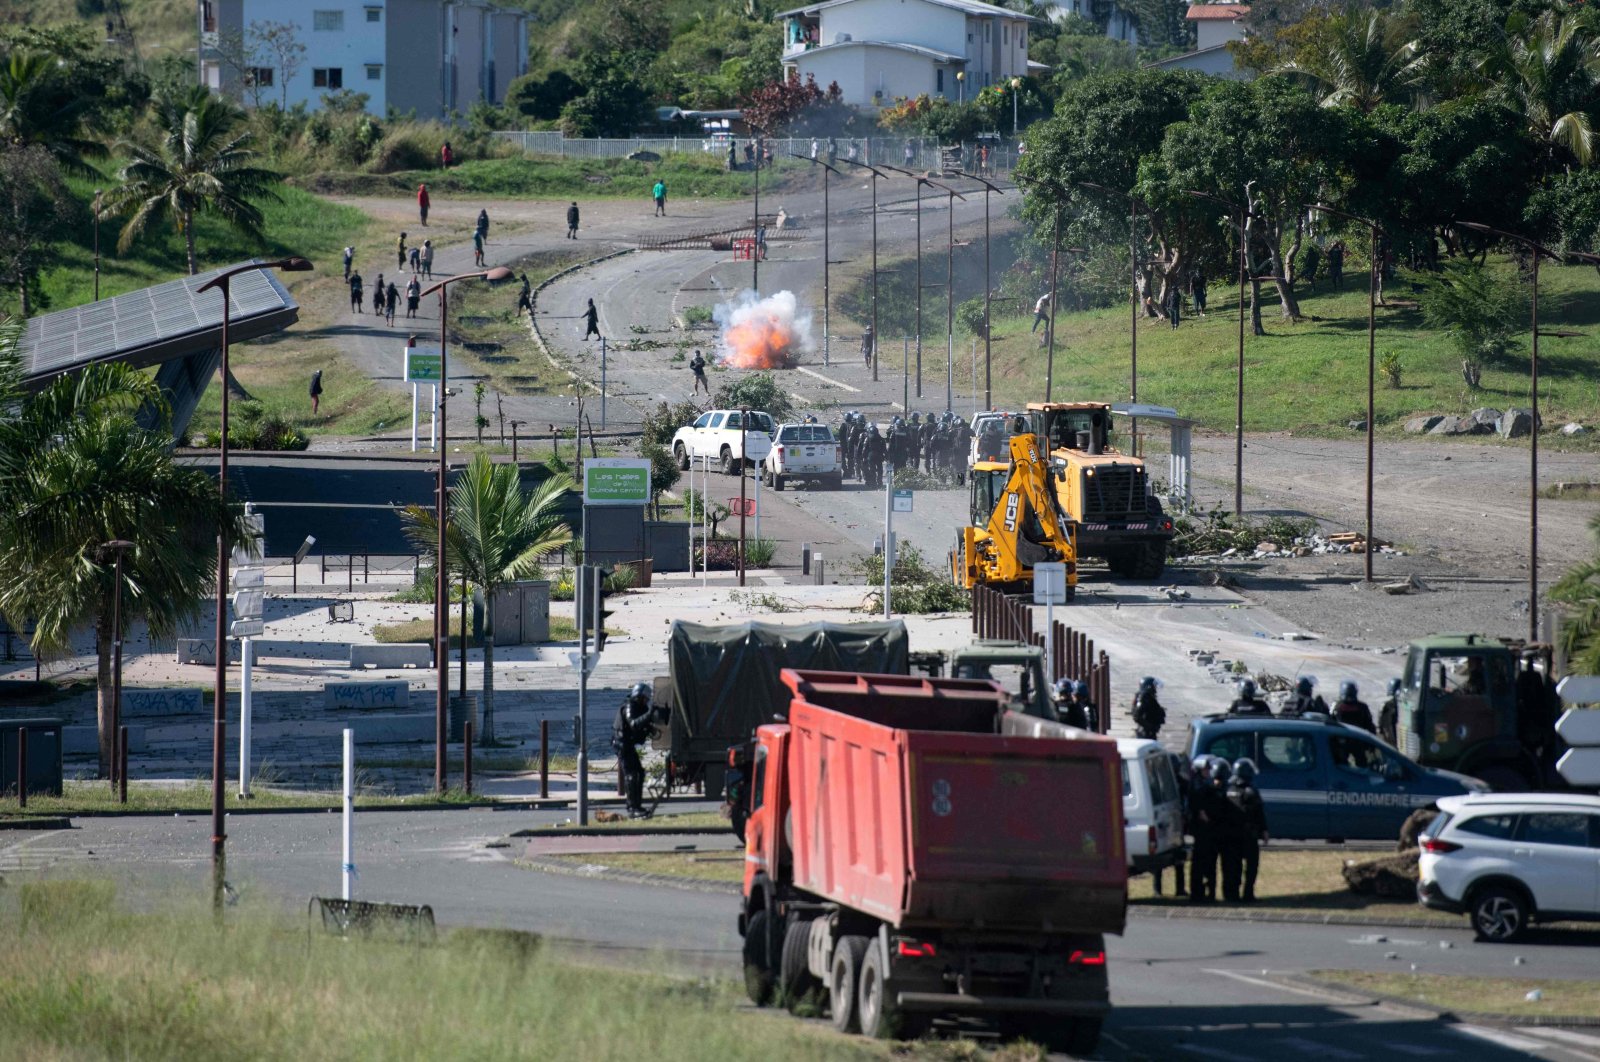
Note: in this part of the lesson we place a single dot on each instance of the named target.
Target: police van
(1321, 779)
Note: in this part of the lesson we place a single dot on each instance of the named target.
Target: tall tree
(497, 533)
(39, 106)
(1547, 71)
(76, 471)
(34, 207)
(1360, 58)
(202, 162)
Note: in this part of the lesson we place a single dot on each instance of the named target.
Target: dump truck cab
(1018, 668)
(1479, 706)
(1105, 494)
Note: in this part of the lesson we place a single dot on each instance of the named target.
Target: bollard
(466, 756)
(805, 558)
(544, 758)
(816, 569)
(122, 765)
(22, 766)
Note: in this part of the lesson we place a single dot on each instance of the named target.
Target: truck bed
(912, 805)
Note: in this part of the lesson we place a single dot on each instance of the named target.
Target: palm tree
(203, 163)
(1547, 70)
(497, 533)
(1361, 59)
(76, 471)
(37, 107)
(1579, 590)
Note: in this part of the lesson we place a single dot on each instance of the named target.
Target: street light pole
(755, 227)
(826, 300)
(1372, 372)
(1050, 328)
(1239, 213)
(223, 283)
(441, 514)
(118, 547)
(949, 294)
(876, 173)
(97, 194)
(988, 391)
(1016, 90)
(921, 180)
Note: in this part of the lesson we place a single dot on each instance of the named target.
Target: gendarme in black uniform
(629, 730)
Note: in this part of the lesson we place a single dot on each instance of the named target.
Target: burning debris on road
(758, 333)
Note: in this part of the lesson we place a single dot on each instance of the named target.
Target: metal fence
(996, 615)
(925, 153)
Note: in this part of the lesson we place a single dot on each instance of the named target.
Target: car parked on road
(1152, 806)
(721, 435)
(1321, 779)
(803, 452)
(981, 421)
(1507, 860)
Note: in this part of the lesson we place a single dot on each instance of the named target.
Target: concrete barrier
(366, 695)
(394, 729)
(85, 740)
(387, 656)
(204, 651)
(162, 702)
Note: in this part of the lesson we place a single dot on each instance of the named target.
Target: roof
(971, 7)
(914, 49)
(1213, 12)
(1182, 60)
(1459, 641)
(1489, 800)
(155, 325)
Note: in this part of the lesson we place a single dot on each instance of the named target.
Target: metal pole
(905, 373)
(116, 663)
(876, 338)
(244, 717)
(1238, 427)
(22, 766)
(463, 686)
(988, 288)
(466, 756)
(1133, 313)
(219, 716)
(347, 876)
(544, 758)
(602, 383)
(826, 338)
(97, 194)
(888, 534)
(1055, 265)
(755, 230)
(919, 288)
(1533, 469)
(950, 305)
(122, 764)
(1372, 324)
(744, 426)
(705, 520)
(441, 586)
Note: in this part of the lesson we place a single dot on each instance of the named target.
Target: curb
(620, 831)
(41, 823)
(634, 877)
(1175, 911)
(113, 813)
(1443, 1013)
(533, 317)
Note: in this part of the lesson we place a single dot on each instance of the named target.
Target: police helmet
(1147, 683)
(811, 418)
(1244, 769)
(1201, 767)
(1394, 686)
(1347, 690)
(915, 417)
(1080, 688)
(641, 690)
(1063, 689)
(1305, 685)
(1221, 769)
(1247, 688)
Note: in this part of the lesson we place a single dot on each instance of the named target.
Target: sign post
(616, 481)
(423, 365)
(249, 593)
(1050, 590)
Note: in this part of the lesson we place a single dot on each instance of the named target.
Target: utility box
(522, 613)
(44, 755)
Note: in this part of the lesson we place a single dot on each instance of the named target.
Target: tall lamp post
(1374, 229)
(1537, 251)
(1133, 280)
(223, 283)
(441, 506)
(921, 179)
(1016, 90)
(988, 390)
(1238, 425)
(876, 174)
(826, 169)
(949, 295)
(119, 548)
(97, 194)
(755, 219)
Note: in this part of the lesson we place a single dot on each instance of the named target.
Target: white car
(804, 451)
(1507, 860)
(981, 421)
(716, 434)
(1152, 806)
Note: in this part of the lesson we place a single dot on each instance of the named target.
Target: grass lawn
(1481, 995)
(195, 797)
(692, 866)
(541, 177)
(88, 980)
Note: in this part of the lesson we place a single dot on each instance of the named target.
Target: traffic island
(1520, 1001)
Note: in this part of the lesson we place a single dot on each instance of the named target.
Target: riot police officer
(992, 443)
(630, 730)
(1206, 820)
(869, 457)
(1248, 702)
(1389, 714)
(847, 438)
(1148, 715)
(1351, 711)
(1068, 708)
(1082, 704)
(1304, 699)
(912, 430)
(1251, 830)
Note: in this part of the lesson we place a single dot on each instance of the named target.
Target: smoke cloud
(769, 333)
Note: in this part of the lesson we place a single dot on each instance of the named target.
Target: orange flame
(760, 341)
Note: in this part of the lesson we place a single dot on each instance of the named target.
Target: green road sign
(424, 365)
(902, 500)
(616, 481)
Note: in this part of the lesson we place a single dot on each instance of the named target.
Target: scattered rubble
(1515, 423)
(1420, 425)
(1573, 428)
(1320, 545)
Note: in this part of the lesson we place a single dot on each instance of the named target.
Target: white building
(1120, 25)
(881, 50)
(1216, 26)
(433, 57)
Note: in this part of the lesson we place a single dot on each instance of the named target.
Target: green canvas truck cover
(725, 680)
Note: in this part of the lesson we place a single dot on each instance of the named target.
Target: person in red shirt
(423, 202)
(446, 155)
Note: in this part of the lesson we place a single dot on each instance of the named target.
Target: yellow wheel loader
(1016, 522)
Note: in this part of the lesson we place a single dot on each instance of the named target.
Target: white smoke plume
(757, 333)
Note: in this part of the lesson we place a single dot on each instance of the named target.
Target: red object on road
(741, 506)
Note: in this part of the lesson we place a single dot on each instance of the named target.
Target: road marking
(1503, 1039)
(1566, 1037)
(827, 380)
(1262, 982)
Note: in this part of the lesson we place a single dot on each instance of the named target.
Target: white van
(1152, 806)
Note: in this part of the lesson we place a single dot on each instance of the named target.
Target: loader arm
(1024, 527)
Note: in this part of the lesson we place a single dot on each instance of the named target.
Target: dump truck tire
(875, 1005)
(794, 976)
(842, 977)
(758, 971)
(1149, 561)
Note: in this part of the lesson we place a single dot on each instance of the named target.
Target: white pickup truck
(717, 434)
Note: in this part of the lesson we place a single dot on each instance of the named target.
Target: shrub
(759, 390)
(1481, 311)
(915, 588)
(661, 424)
(694, 316)
(1389, 365)
(758, 552)
(969, 315)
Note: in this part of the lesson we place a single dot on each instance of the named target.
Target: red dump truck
(915, 850)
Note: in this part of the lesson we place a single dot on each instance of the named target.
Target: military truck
(1105, 494)
(1482, 707)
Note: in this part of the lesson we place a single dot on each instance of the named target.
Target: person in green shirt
(660, 194)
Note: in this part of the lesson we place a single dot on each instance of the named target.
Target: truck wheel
(875, 1005)
(683, 457)
(729, 466)
(777, 482)
(795, 982)
(842, 974)
(1120, 563)
(1083, 1036)
(1149, 561)
(758, 972)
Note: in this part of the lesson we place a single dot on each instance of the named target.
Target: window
(988, 32)
(208, 17)
(1163, 782)
(374, 14)
(260, 76)
(374, 71)
(1287, 752)
(758, 784)
(1005, 34)
(938, 80)
(761, 422)
(330, 77)
(1356, 755)
(805, 433)
(716, 421)
(1499, 827)
(1022, 37)
(703, 421)
(1237, 746)
(1127, 784)
(327, 20)
(734, 421)
(1566, 829)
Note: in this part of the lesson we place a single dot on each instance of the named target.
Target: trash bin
(44, 755)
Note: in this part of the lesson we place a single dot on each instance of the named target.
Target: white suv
(715, 434)
(803, 451)
(1509, 859)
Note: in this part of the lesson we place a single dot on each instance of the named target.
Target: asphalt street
(1182, 988)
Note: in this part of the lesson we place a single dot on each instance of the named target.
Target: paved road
(1183, 988)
